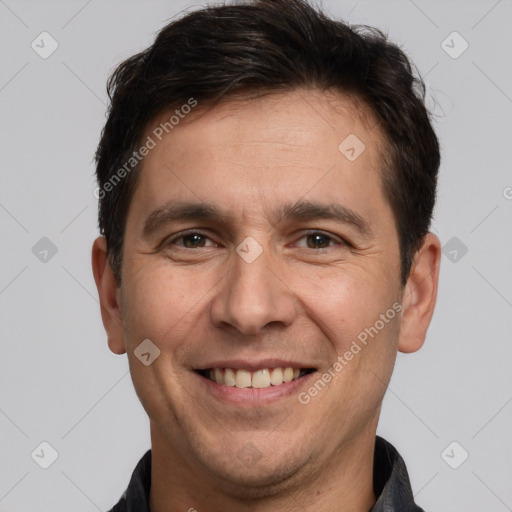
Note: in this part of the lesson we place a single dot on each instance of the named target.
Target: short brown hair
(265, 46)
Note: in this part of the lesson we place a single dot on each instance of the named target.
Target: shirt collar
(390, 481)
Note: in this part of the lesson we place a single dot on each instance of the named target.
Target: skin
(301, 300)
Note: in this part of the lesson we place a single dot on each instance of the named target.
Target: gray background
(59, 383)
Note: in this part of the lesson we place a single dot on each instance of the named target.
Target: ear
(110, 296)
(420, 294)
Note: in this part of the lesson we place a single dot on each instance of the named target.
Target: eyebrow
(307, 210)
(179, 211)
(176, 211)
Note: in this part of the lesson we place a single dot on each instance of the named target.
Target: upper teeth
(258, 379)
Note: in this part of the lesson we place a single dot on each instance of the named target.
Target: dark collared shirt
(390, 481)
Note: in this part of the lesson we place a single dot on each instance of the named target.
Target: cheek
(162, 301)
(343, 302)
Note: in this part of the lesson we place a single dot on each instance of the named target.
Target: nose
(253, 296)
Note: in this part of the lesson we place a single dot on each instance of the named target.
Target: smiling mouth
(259, 379)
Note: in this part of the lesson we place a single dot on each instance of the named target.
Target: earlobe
(420, 294)
(109, 295)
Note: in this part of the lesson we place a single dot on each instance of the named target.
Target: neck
(343, 483)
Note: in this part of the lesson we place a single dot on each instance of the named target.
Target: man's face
(264, 166)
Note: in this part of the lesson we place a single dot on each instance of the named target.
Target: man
(266, 181)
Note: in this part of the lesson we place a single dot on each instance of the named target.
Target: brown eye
(318, 241)
(194, 240)
(188, 240)
(321, 240)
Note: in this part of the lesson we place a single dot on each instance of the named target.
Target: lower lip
(254, 396)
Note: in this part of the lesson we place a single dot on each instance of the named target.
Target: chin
(247, 483)
(261, 476)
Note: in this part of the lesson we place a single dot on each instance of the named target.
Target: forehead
(275, 148)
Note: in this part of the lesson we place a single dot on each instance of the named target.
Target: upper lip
(244, 364)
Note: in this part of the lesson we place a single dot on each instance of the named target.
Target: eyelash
(184, 234)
